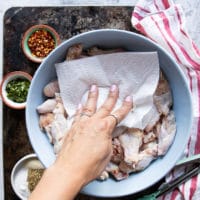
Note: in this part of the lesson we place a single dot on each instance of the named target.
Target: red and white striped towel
(163, 22)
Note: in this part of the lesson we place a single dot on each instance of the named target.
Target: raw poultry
(133, 149)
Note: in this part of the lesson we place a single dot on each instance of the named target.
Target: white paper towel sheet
(135, 73)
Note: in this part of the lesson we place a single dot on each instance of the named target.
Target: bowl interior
(181, 97)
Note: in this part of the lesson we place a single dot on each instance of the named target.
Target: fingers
(110, 102)
(90, 107)
(118, 115)
(78, 113)
(105, 110)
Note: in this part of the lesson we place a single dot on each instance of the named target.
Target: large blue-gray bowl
(182, 106)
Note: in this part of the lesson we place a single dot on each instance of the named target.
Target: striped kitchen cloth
(163, 22)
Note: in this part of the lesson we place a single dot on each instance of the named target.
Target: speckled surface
(67, 21)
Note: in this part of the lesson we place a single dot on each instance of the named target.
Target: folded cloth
(163, 22)
(135, 73)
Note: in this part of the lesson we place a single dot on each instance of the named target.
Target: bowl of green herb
(14, 89)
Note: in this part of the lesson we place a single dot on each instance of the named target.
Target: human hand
(87, 147)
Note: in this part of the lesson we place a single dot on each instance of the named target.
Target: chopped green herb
(17, 90)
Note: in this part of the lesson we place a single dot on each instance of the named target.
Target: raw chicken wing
(131, 142)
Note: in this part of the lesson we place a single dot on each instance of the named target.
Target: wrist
(63, 183)
(67, 175)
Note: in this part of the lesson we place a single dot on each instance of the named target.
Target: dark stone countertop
(67, 21)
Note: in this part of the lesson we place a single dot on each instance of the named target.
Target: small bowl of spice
(25, 175)
(14, 89)
(38, 41)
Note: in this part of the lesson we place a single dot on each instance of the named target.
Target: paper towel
(135, 73)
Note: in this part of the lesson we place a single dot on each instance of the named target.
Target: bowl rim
(7, 78)
(177, 156)
(28, 33)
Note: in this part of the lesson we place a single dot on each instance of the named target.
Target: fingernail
(93, 88)
(113, 88)
(79, 106)
(128, 99)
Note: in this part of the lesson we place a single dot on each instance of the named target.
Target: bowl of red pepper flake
(38, 41)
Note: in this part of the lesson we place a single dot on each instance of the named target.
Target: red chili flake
(41, 43)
